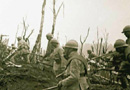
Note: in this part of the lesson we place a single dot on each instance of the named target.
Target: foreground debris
(26, 77)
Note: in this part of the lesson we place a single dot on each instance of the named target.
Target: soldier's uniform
(126, 32)
(124, 66)
(75, 72)
(22, 50)
(57, 57)
(49, 47)
(128, 41)
(12, 49)
(58, 64)
(90, 54)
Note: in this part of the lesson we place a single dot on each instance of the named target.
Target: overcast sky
(79, 15)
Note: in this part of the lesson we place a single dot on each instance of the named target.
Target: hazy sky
(79, 15)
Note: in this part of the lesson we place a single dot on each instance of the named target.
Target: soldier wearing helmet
(76, 70)
(123, 61)
(126, 32)
(54, 43)
(120, 45)
(13, 46)
(57, 56)
(22, 50)
(90, 54)
(49, 50)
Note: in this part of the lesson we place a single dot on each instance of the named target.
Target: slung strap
(80, 58)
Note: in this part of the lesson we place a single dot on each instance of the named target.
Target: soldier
(58, 57)
(90, 54)
(49, 50)
(12, 49)
(124, 61)
(22, 50)
(126, 32)
(76, 70)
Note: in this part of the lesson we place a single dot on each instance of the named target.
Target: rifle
(9, 56)
(51, 88)
(59, 75)
(109, 55)
(47, 64)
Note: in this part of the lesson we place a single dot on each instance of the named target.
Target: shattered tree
(55, 14)
(82, 42)
(37, 46)
(25, 28)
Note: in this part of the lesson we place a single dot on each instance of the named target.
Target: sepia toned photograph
(64, 44)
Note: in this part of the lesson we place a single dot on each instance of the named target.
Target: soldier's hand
(116, 54)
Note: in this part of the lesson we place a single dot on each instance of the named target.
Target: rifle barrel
(50, 88)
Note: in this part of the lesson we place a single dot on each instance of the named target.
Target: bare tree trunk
(100, 48)
(25, 28)
(55, 14)
(82, 42)
(16, 35)
(29, 36)
(97, 42)
(54, 17)
(37, 46)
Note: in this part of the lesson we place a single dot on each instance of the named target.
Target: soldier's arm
(128, 57)
(127, 53)
(49, 50)
(60, 51)
(63, 60)
(74, 73)
(52, 55)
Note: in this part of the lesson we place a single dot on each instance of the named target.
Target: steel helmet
(120, 43)
(126, 29)
(49, 35)
(13, 46)
(19, 38)
(54, 41)
(72, 44)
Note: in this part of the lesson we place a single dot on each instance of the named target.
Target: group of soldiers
(71, 67)
(21, 51)
(122, 60)
(75, 71)
(68, 66)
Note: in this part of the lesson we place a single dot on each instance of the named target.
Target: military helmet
(19, 38)
(120, 43)
(49, 35)
(126, 29)
(13, 46)
(89, 51)
(54, 41)
(72, 44)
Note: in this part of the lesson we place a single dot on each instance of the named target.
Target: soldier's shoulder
(59, 49)
(76, 61)
(73, 60)
(127, 49)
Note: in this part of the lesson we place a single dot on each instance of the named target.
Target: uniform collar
(73, 53)
(128, 41)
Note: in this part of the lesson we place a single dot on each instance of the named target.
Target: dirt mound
(26, 77)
